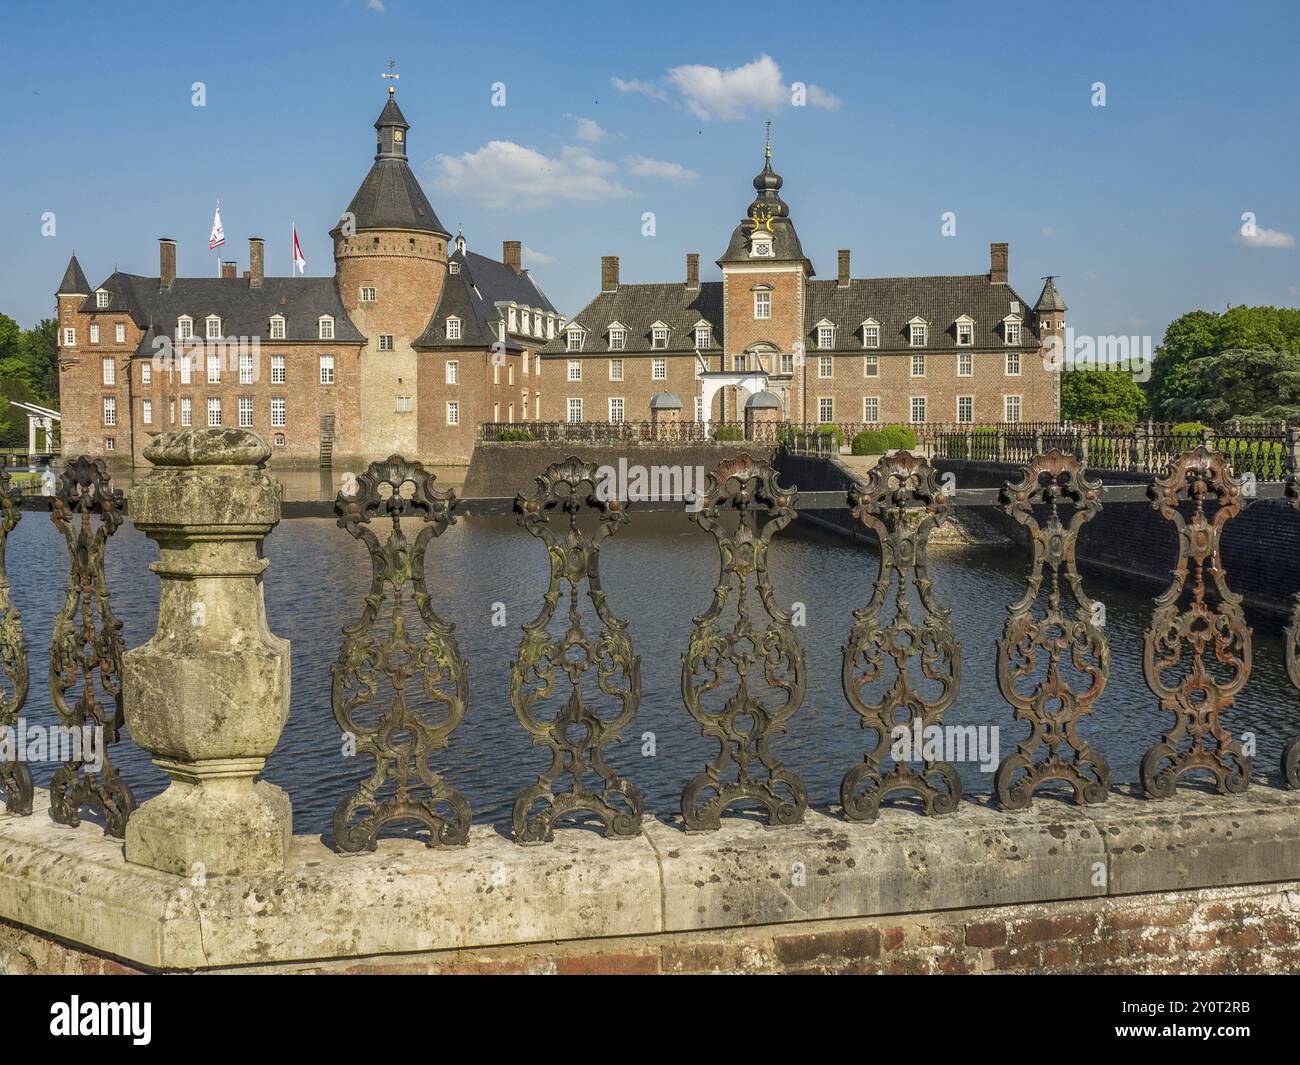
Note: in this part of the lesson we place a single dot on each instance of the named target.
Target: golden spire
(768, 151)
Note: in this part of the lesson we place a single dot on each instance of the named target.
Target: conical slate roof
(74, 282)
(1049, 299)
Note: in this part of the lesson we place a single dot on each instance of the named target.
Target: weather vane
(392, 74)
(768, 151)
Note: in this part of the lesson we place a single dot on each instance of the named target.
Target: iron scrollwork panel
(902, 502)
(15, 777)
(377, 672)
(746, 723)
(86, 650)
(1291, 753)
(1054, 707)
(578, 733)
(1211, 623)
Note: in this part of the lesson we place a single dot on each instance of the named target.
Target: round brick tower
(390, 263)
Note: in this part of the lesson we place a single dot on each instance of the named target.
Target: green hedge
(870, 442)
(728, 432)
(900, 436)
(510, 436)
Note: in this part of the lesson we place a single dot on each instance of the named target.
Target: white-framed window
(1012, 332)
(917, 334)
(787, 362)
(825, 366)
(870, 365)
(524, 363)
(1011, 408)
(245, 369)
(918, 365)
(246, 412)
(616, 410)
(110, 443)
(187, 369)
(171, 412)
(870, 335)
(453, 412)
(575, 369)
(617, 338)
(213, 327)
(279, 439)
(703, 336)
(146, 373)
(871, 409)
(1013, 364)
(184, 327)
(69, 338)
(659, 336)
(277, 327)
(496, 373)
(699, 408)
(119, 333)
(367, 294)
(965, 364)
(453, 327)
(616, 369)
(659, 369)
(94, 333)
(740, 362)
(110, 371)
(510, 407)
(110, 410)
(187, 411)
(965, 410)
(326, 327)
(327, 369)
(385, 341)
(402, 403)
(574, 410)
(965, 334)
(574, 340)
(101, 298)
(762, 304)
(214, 410)
(537, 406)
(918, 410)
(825, 409)
(214, 369)
(825, 336)
(277, 412)
(510, 373)
(453, 371)
(277, 369)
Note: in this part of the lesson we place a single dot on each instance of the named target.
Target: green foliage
(29, 373)
(13, 422)
(728, 432)
(1240, 342)
(514, 435)
(900, 436)
(1106, 396)
(1187, 434)
(832, 430)
(870, 442)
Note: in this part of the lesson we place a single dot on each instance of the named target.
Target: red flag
(299, 260)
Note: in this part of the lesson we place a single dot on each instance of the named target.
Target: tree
(1258, 382)
(1100, 395)
(40, 352)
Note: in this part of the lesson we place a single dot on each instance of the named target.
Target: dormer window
(965, 331)
(184, 327)
(101, 298)
(453, 327)
(703, 335)
(659, 335)
(871, 333)
(918, 332)
(617, 336)
(514, 322)
(825, 334)
(277, 327)
(760, 247)
(574, 339)
(213, 327)
(326, 331)
(1011, 329)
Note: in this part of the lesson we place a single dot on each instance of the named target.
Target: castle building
(770, 340)
(411, 344)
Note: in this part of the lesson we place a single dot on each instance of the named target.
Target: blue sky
(611, 111)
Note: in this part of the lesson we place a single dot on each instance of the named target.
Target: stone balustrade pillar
(208, 695)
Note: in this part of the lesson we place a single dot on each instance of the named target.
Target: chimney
(844, 268)
(256, 261)
(228, 268)
(609, 273)
(166, 262)
(693, 270)
(998, 263)
(511, 255)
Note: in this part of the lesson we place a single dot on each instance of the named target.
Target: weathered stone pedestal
(208, 695)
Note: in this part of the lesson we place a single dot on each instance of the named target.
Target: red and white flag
(299, 260)
(218, 237)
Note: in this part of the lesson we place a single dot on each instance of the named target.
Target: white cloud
(505, 174)
(819, 97)
(1048, 231)
(644, 166)
(636, 85)
(533, 257)
(1267, 238)
(588, 129)
(376, 5)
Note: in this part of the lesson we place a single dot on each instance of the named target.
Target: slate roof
(472, 294)
(390, 197)
(895, 301)
(638, 307)
(768, 202)
(74, 282)
(1049, 299)
(244, 311)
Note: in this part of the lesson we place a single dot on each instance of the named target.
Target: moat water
(658, 571)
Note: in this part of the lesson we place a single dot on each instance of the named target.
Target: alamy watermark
(635, 484)
(1111, 354)
(83, 744)
(947, 743)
